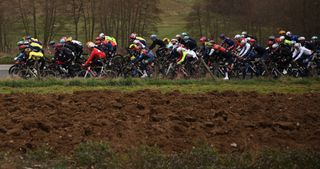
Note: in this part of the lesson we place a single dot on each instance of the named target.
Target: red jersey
(96, 53)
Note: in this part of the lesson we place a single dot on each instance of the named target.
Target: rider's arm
(299, 55)
(153, 45)
(93, 53)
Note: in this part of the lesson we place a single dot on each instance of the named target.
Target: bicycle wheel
(25, 74)
(84, 74)
(109, 74)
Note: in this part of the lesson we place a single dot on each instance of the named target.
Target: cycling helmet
(136, 42)
(203, 39)
(282, 32)
(174, 41)
(282, 38)
(244, 33)
(301, 38)
(186, 38)
(22, 47)
(153, 37)
(272, 38)
(252, 41)
(276, 45)
(51, 43)
(102, 35)
(132, 46)
(289, 33)
(222, 36)
(20, 43)
(69, 39)
(90, 45)
(237, 37)
(166, 40)
(314, 38)
(212, 41)
(184, 34)
(133, 36)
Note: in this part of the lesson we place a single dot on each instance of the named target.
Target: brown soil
(172, 121)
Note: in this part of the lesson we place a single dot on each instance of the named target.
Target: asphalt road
(4, 70)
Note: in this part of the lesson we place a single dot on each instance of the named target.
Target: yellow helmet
(69, 39)
(166, 40)
(282, 32)
(132, 46)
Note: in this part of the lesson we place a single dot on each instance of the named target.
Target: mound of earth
(174, 121)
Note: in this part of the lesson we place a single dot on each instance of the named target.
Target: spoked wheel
(109, 74)
(25, 74)
(14, 70)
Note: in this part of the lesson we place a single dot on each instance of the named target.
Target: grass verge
(184, 86)
(100, 155)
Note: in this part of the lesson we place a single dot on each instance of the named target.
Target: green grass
(7, 60)
(184, 86)
(100, 155)
(173, 17)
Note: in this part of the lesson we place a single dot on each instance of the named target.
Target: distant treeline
(260, 18)
(82, 19)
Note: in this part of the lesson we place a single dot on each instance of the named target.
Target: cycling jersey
(157, 42)
(112, 40)
(298, 53)
(245, 50)
(95, 54)
(35, 55)
(143, 41)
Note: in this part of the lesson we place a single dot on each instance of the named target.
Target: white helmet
(244, 33)
(301, 38)
(90, 45)
(282, 38)
(102, 35)
(248, 39)
(288, 33)
(276, 45)
(314, 38)
(237, 36)
(136, 42)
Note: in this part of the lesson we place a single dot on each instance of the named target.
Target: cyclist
(145, 58)
(133, 37)
(96, 55)
(157, 42)
(34, 44)
(221, 52)
(228, 43)
(190, 43)
(63, 56)
(111, 41)
(301, 54)
(315, 44)
(76, 46)
(185, 55)
(22, 46)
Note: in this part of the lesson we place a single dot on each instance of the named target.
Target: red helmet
(22, 47)
(133, 36)
(252, 41)
(203, 39)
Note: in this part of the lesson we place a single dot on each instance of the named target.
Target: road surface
(4, 70)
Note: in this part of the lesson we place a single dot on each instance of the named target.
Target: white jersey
(297, 54)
